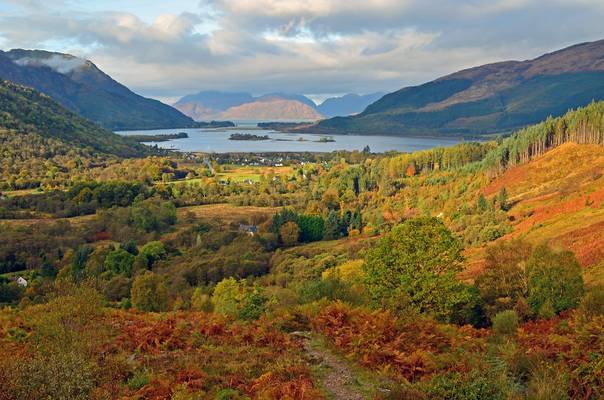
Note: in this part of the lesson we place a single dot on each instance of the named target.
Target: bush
(473, 386)
(505, 322)
(139, 379)
(330, 289)
(553, 277)
(149, 293)
(289, 233)
(592, 304)
(227, 296)
(502, 284)
(119, 261)
(153, 251)
(254, 305)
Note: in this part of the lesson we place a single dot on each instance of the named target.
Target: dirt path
(337, 379)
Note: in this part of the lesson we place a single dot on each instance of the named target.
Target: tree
(200, 301)
(503, 283)
(482, 204)
(253, 305)
(502, 199)
(227, 297)
(331, 229)
(554, 278)
(289, 233)
(418, 260)
(120, 262)
(149, 293)
(311, 228)
(356, 221)
(153, 251)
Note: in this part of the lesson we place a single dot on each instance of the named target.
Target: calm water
(217, 141)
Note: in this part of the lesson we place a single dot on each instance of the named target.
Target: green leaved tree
(417, 262)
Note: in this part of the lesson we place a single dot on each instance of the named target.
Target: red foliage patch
(378, 339)
(292, 383)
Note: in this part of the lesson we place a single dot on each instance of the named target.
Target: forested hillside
(26, 111)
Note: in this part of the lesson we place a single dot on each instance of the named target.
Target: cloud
(305, 46)
(61, 64)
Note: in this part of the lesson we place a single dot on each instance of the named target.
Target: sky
(319, 48)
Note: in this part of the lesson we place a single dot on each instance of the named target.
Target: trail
(338, 380)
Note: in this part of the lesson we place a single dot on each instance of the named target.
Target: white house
(21, 281)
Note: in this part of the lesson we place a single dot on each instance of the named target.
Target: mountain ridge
(493, 98)
(212, 104)
(82, 87)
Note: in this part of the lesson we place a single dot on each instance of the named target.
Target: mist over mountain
(80, 86)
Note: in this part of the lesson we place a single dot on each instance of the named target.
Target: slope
(25, 111)
(492, 98)
(81, 87)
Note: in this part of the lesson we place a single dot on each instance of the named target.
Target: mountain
(272, 109)
(81, 87)
(210, 104)
(492, 98)
(207, 105)
(24, 111)
(347, 105)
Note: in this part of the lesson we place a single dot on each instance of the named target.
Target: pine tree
(331, 230)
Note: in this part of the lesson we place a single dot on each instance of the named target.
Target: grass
(226, 213)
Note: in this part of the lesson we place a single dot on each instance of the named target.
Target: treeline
(583, 126)
(81, 199)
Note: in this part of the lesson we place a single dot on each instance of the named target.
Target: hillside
(498, 97)
(344, 275)
(347, 105)
(25, 111)
(83, 88)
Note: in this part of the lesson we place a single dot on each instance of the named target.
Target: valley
(251, 227)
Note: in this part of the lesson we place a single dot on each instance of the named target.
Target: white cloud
(63, 65)
(307, 46)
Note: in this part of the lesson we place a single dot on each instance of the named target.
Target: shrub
(547, 310)
(502, 284)
(139, 379)
(350, 271)
(201, 301)
(554, 277)
(149, 293)
(253, 305)
(505, 322)
(592, 303)
(289, 233)
(227, 296)
(330, 289)
(473, 386)
(153, 251)
(119, 261)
